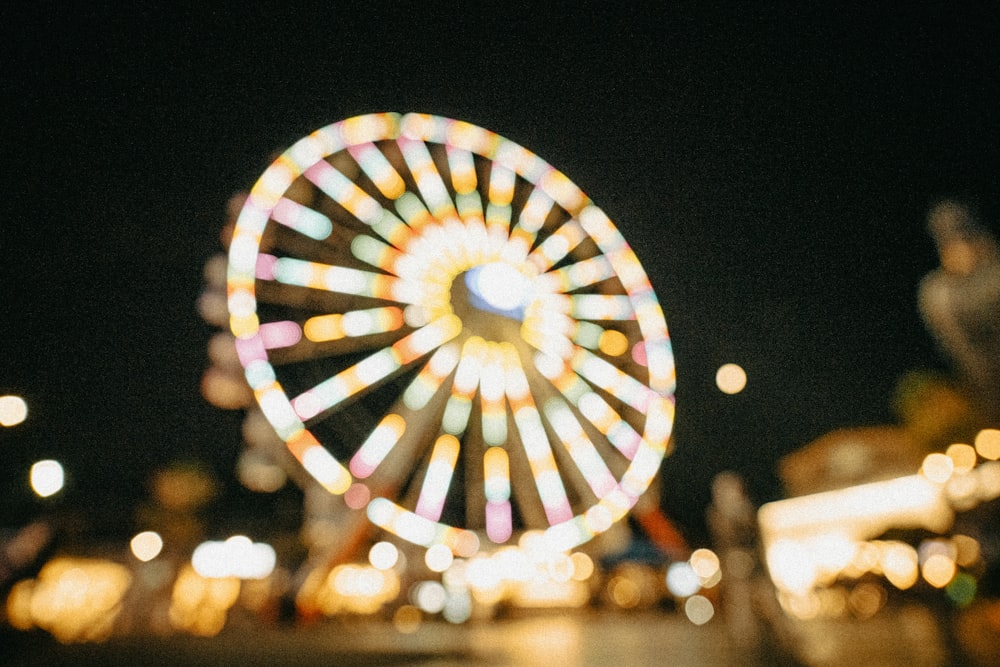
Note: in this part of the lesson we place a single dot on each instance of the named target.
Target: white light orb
(146, 546)
(47, 478)
(13, 410)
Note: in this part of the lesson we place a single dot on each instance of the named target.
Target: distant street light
(13, 410)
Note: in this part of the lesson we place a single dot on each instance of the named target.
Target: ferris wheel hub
(499, 287)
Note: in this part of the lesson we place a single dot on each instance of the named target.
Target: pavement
(906, 635)
(564, 639)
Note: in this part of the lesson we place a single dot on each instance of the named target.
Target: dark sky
(771, 166)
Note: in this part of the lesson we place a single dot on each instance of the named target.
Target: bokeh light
(47, 478)
(383, 555)
(731, 379)
(429, 596)
(699, 609)
(682, 580)
(938, 570)
(439, 558)
(962, 456)
(988, 443)
(237, 557)
(407, 619)
(146, 545)
(75, 599)
(13, 410)
(705, 563)
(938, 467)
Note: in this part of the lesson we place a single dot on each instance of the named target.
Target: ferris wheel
(446, 331)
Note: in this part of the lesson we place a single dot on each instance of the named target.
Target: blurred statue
(960, 300)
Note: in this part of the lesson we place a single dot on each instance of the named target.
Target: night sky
(771, 167)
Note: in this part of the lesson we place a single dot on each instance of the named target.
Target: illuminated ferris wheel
(446, 331)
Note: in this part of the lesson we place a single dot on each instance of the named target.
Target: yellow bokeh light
(967, 550)
(938, 570)
(146, 545)
(988, 443)
(731, 379)
(13, 410)
(705, 563)
(963, 456)
(613, 343)
(624, 592)
(407, 619)
(199, 605)
(75, 599)
(583, 566)
(899, 564)
(866, 599)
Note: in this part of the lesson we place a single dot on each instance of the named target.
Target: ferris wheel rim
(267, 196)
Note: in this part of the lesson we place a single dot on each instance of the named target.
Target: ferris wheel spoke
(492, 389)
(281, 342)
(378, 169)
(341, 189)
(390, 453)
(437, 479)
(591, 405)
(496, 490)
(580, 447)
(500, 194)
(462, 166)
(612, 380)
(353, 324)
(375, 369)
(573, 276)
(302, 219)
(428, 179)
(536, 444)
(600, 307)
(469, 202)
(576, 478)
(376, 253)
(558, 245)
(338, 279)
(532, 217)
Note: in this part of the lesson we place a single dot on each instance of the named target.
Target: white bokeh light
(47, 478)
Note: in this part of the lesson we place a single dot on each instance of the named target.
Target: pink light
(280, 334)
(499, 526)
(357, 496)
(639, 353)
(265, 266)
(250, 349)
